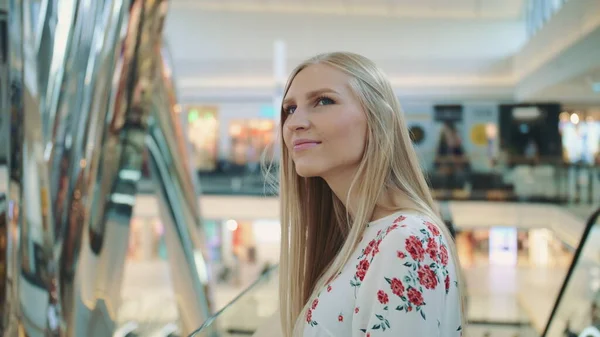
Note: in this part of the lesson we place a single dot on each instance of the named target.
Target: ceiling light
(575, 118)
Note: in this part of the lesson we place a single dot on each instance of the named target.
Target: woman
(363, 252)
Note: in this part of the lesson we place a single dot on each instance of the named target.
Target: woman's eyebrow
(311, 94)
(319, 92)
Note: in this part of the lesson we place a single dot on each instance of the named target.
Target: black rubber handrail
(593, 219)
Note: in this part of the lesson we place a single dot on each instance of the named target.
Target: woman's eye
(290, 109)
(325, 101)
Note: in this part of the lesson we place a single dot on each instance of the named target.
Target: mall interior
(137, 138)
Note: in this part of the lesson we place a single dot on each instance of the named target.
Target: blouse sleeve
(403, 279)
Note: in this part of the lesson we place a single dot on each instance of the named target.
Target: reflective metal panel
(80, 80)
(32, 306)
(105, 205)
(178, 205)
(4, 146)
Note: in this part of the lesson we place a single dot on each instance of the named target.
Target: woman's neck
(389, 202)
(339, 183)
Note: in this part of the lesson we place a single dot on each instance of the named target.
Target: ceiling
(579, 92)
(448, 9)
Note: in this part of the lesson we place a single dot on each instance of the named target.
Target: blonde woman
(363, 251)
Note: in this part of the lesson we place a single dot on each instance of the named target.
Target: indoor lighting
(575, 118)
(232, 225)
(193, 115)
(235, 129)
(564, 116)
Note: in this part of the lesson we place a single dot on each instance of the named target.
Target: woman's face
(324, 126)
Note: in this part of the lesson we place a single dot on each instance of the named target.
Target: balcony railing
(528, 180)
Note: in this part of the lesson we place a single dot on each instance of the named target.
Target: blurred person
(363, 252)
(451, 160)
(532, 152)
(452, 143)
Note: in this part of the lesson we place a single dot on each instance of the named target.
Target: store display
(203, 133)
(503, 246)
(528, 132)
(509, 246)
(249, 140)
(450, 149)
(580, 137)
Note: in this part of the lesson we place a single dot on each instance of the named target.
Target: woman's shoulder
(406, 277)
(405, 224)
(409, 235)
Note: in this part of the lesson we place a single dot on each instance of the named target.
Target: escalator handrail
(266, 274)
(591, 222)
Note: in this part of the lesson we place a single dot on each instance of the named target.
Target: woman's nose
(297, 121)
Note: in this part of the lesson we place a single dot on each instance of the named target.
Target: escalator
(577, 308)
(247, 312)
(575, 313)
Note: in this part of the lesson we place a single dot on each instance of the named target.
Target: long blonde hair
(318, 234)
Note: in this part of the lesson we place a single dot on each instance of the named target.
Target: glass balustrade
(568, 306)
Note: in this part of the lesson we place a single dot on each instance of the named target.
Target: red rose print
(356, 310)
(427, 277)
(432, 228)
(415, 248)
(444, 255)
(432, 248)
(362, 268)
(378, 232)
(360, 274)
(447, 283)
(415, 297)
(340, 318)
(409, 309)
(399, 219)
(368, 334)
(376, 248)
(401, 255)
(391, 228)
(315, 303)
(370, 247)
(329, 288)
(309, 316)
(382, 297)
(397, 287)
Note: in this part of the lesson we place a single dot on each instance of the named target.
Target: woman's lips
(305, 146)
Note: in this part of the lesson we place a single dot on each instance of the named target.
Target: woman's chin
(306, 171)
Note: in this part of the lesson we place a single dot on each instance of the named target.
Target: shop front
(580, 134)
(237, 250)
(510, 246)
(203, 134)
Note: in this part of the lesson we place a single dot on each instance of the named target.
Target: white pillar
(279, 74)
(280, 77)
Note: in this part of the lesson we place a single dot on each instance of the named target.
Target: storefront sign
(448, 113)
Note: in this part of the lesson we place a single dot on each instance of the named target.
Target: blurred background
(502, 98)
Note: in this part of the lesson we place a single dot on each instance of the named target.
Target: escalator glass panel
(247, 312)
(577, 309)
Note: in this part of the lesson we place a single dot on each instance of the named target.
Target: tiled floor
(147, 296)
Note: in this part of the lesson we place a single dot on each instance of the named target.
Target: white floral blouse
(399, 282)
